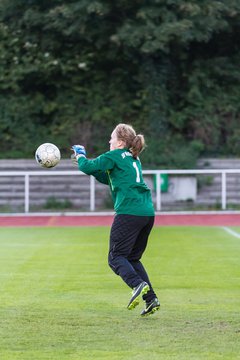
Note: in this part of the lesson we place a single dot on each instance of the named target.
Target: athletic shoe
(138, 291)
(151, 307)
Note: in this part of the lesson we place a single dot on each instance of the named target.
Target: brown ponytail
(138, 145)
(135, 143)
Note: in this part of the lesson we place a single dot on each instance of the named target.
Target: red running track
(95, 220)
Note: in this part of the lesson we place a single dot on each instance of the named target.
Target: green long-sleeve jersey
(123, 173)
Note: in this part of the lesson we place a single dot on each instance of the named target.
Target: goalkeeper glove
(79, 151)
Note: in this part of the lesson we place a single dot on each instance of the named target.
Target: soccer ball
(47, 155)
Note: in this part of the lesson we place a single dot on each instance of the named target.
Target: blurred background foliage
(71, 70)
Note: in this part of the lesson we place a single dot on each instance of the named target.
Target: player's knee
(110, 262)
(113, 263)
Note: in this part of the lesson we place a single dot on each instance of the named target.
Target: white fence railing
(29, 174)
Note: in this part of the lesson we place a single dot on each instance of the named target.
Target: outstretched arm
(94, 169)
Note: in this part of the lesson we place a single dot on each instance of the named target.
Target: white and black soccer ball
(47, 155)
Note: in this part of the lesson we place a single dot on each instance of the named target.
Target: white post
(158, 192)
(26, 193)
(223, 190)
(92, 193)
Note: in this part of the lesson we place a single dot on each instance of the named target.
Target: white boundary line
(32, 214)
(231, 232)
(107, 213)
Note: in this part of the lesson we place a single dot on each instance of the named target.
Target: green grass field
(60, 300)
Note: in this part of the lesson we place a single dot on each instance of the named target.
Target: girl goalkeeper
(120, 168)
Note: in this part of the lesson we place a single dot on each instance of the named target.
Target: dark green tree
(70, 71)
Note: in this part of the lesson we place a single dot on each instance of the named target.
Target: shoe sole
(136, 301)
(156, 308)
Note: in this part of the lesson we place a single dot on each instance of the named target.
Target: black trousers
(128, 240)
